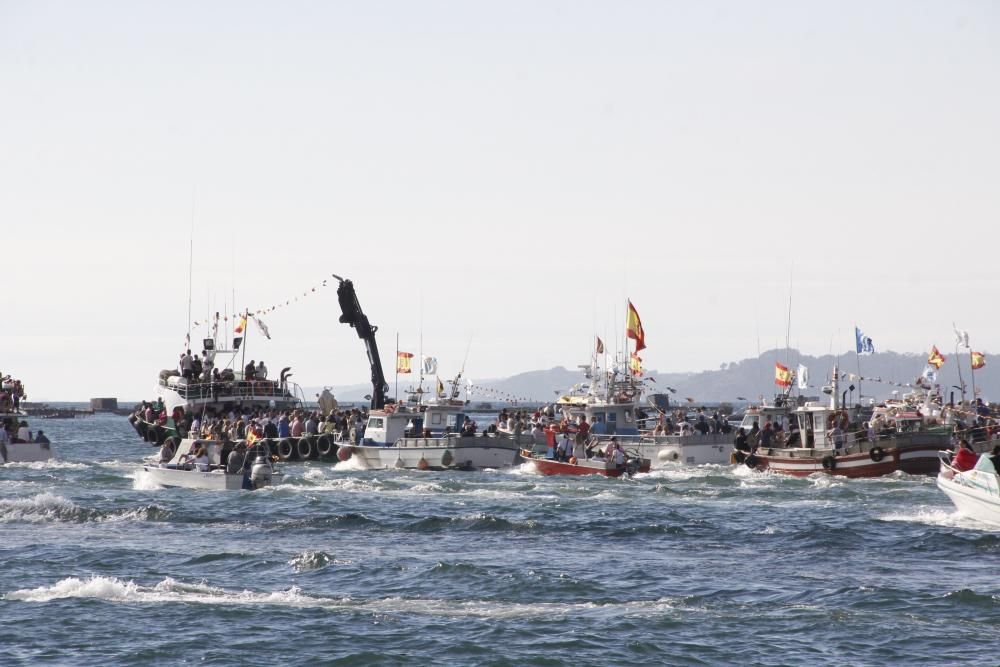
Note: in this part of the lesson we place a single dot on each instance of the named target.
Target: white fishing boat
(976, 492)
(433, 436)
(233, 387)
(227, 466)
(18, 444)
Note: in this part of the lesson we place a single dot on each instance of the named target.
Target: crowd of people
(250, 424)
(13, 431)
(11, 393)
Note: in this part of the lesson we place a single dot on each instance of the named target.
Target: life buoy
(876, 454)
(572, 460)
(752, 461)
(829, 462)
(286, 450)
(325, 446)
(422, 464)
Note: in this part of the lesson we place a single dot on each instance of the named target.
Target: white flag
(803, 375)
(430, 366)
(263, 328)
(961, 337)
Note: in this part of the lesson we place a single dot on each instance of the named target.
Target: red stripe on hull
(852, 465)
(549, 467)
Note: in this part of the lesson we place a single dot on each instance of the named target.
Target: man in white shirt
(261, 371)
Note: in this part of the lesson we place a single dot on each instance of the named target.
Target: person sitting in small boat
(23, 434)
(564, 447)
(965, 458)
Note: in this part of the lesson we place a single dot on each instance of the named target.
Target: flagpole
(245, 332)
(958, 366)
(857, 356)
(972, 373)
(397, 367)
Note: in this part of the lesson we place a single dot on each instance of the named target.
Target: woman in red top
(965, 458)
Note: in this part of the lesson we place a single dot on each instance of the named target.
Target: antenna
(190, 266)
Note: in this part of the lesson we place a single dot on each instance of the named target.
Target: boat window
(435, 417)
(628, 416)
(818, 421)
(612, 417)
(376, 422)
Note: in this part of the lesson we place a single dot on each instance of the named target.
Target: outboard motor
(632, 466)
(260, 474)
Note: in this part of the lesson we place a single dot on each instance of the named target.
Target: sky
(497, 178)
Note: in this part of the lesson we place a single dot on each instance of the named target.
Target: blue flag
(864, 343)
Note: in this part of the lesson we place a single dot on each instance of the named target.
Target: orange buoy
(423, 464)
(572, 460)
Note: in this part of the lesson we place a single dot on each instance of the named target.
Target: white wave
(51, 464)
(682, 473)
(821, 480)
(42, 507)
(526, 468)
(112, 589)
(939, 517)
(355, 463)
(143, 481)
(314, 474)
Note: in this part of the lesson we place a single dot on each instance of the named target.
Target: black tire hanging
(287, 450)
(829, 463)
(325, 446)
(305, 449)
(876, 454)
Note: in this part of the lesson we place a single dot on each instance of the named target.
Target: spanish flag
(633, 328)
(978, 360)
(635, 364)
(241, 327)
(935, 358)
(440, 387)
(782, 376)
(403, 362)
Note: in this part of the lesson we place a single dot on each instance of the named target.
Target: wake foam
(944, 518)
(112, 589)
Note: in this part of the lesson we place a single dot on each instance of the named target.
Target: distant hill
(747, 378)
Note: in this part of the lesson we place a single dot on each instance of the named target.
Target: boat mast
(190, 271)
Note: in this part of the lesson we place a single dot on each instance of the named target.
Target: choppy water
(700, 566)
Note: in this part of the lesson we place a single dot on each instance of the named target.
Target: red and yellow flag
(600, 345)
(633, 328)
(782, 376)
(403, 362)
(978, 360)
(935, 358)
(635, 364)
(241, 327)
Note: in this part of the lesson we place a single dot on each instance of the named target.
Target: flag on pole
(242, 325)
(863, 342)
(633, 328)
(803, 377)
(782, 376)
(263, 327)
(978, 360)
(440, 387)
(403, 362)
(635, 364)
(961, 336)
(430, 365)
(600, 345)
(935, 358)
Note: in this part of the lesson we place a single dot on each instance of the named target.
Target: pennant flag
(241, 326)
(935, 358)
(440, 387)
(803, 377)
(782, 376)
(633, 328)
(430, 365)
(930, 374)
(978, 360)
(635, 364)
(863, 342)
(600, 345)
(262, 327)
(961, 337)
(403, 362)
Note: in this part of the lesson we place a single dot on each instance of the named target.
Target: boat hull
(473, 453)
(974, 493)
(552, 467)
(26, 452)
(673, 450)
(916, 456)
(216, 480)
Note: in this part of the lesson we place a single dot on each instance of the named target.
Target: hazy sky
(504, 172)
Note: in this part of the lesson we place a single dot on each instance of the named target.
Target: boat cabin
(385, 427)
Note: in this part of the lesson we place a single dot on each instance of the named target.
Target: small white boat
(976, 492)
(20, 450)
(245, 467)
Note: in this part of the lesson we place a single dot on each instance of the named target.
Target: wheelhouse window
(376, 422)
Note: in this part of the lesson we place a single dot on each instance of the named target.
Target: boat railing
(244, 389)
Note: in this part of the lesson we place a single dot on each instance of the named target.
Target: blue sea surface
(712, 565)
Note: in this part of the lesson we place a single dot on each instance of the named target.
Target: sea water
(341, 566)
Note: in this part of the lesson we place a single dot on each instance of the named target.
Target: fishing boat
(233, 389)
(227, 469)
(976, 492)
(904, 436)
(433, 435)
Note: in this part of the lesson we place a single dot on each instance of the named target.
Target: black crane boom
(352, 314)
